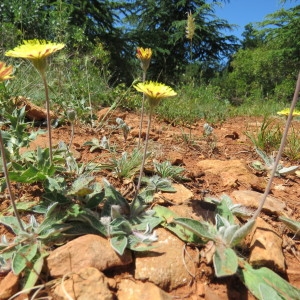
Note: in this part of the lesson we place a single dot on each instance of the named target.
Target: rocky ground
(88, 268)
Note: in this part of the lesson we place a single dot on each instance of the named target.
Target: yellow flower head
(36, 51)
(155, 91)
(286, 112)
(144, 55)
(5, 71)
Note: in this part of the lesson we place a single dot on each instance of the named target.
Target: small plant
(124, 127)
(155, 184)
(292, 148)
(127, 165)
(268, 137)
(166, 170)
(268, 165)
(221, 239)
(27, 251)
(97, 144)
(207, 130)
(154, 92)
(17, 135)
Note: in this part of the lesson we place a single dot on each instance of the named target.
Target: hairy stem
(142, 113)
(48, 115)
(10, 192)
(145, 154)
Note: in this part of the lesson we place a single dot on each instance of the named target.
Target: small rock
(89, 283)
(181, 195)
(164, 265)
(232, 173)
(266, 247)
(252, 199)
(85, 251)
(9, 285)
(130, 290)
(135, 133)
(175, 158)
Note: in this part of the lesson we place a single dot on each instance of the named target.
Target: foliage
(18, 134)
(97, 144)
(292, 148)
(221, 236)
(127, 165)
(166, 170)
(221, 239)
(269, 165)
(268, 137)
(269, 61)
(291, 224)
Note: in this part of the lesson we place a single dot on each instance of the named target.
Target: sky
(243, 12)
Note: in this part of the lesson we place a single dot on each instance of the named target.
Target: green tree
(161, 25)
(269, 62)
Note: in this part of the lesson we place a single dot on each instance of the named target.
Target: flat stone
(85, 251)
(182, 194)
(252, 199)
(266, 247)
(136, 290)
(164, 265)
(9, 285)
(233, 173)
(89, 283)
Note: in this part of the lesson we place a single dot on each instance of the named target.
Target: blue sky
(243, 12)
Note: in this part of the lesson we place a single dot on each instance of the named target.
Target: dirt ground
(168, 141)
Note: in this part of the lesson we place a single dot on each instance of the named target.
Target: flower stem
(10, 192)
(281, 147)
(142, 112)
(48, 115)
(144, 154)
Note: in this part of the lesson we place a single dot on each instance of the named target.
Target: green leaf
(225, 261)
(253, 278)
(241, 233)
(223, 208)
(22, 257)
(95, 200)
(12, 223)
(268, 293)
(80, 186)
(181, 231)
(34, 272)
(291, 224)
(119, 243)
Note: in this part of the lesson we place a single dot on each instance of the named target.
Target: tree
(161, 25)
(270, 65)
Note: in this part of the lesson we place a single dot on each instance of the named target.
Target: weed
(268, 137)
(268, 165)
(127, 165)
(292, 148)
(167, 170)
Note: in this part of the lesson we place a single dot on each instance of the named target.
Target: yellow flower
(286, 112)
(144, 55)
(36, 51)
(5, 71)
(155, 91)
